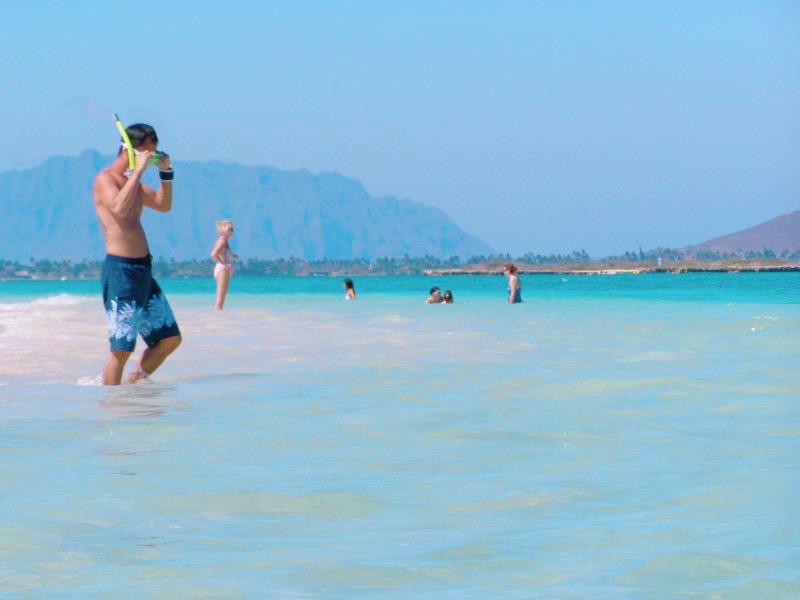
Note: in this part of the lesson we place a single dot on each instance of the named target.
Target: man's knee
(121, 356)
(169, 344)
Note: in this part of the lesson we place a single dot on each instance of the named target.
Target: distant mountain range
(779, 235)
(49, 213)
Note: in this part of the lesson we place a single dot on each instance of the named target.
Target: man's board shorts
(134, 304)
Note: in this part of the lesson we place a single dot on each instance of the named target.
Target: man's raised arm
(161, 199)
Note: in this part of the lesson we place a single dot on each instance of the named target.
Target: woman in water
(223, 257)
(514, 287)
(349, 290)
(447, 297)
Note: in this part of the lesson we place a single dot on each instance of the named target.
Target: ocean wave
(57, 300)
(62, 300)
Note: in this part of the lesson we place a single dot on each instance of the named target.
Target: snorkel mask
(154, 158)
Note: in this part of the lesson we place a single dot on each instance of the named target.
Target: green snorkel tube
(127, 143)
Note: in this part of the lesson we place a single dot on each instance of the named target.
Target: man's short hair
(139, 133)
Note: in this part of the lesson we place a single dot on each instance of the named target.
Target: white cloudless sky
(537, 126)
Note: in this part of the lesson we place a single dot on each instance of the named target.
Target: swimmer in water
(514, 286)
(349, 290)
(434, 297)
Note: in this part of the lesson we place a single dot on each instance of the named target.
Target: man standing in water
(133, 300)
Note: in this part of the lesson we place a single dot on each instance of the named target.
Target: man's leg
(159, 331)
(112, 369)
(152, 358)
(125, 282)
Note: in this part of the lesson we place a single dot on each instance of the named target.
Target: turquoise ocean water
(628, 436)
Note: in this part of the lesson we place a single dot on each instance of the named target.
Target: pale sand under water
(300, 446)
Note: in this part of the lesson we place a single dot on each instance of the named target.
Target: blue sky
(538, 126)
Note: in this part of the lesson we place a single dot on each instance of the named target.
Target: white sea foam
(90, 380)
(50, 339)
(64, 300)
(56, 300)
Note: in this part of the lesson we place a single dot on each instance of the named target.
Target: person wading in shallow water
(434, 297)
(223, 258)
(133, 300)
(349, 289)
(514, 287)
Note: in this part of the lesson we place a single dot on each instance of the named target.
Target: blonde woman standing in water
(223, 257)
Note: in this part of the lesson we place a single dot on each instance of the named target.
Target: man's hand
(163, 163)
(142, 157)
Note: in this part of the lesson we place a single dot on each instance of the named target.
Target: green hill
(780, 235)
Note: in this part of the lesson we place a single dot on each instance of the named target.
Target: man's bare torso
(123, 235)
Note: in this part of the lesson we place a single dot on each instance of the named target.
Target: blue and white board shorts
(134, 304)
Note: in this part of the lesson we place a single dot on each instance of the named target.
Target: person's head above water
(348, 284)
(434, 297)
(448, 296)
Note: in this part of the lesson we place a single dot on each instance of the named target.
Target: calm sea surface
(628, 436)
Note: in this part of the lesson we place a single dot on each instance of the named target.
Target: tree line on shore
(406, 265)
